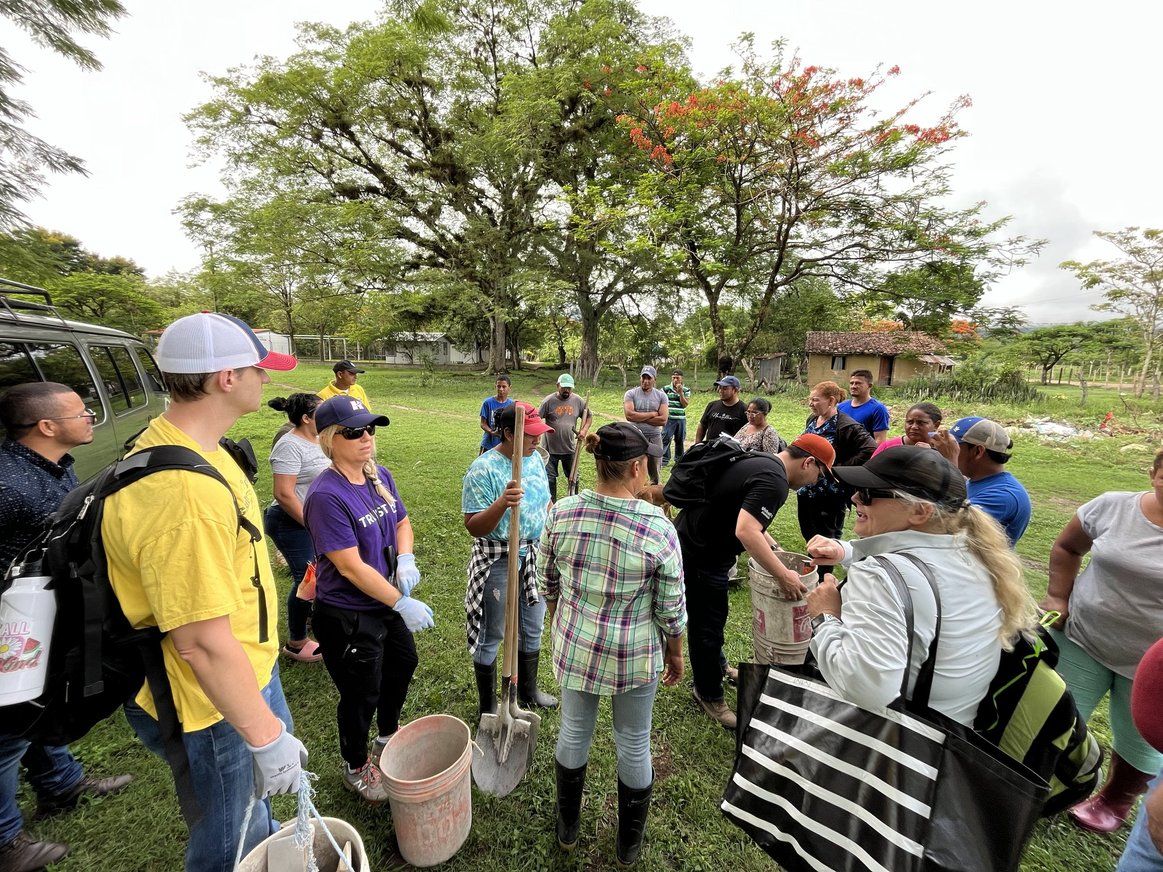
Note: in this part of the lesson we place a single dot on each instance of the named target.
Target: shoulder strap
(924, 685)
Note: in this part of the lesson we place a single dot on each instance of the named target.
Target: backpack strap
(924, 685)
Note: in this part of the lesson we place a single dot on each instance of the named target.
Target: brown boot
(1107, 810)
(22, 854)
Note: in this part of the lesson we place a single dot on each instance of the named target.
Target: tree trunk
(588, 363)
(1046, 371)
(497, 345)
(746, 364)
(1141, 381)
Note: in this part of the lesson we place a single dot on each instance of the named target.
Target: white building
(412, 349)
(273, 341)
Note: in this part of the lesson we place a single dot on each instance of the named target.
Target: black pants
(706, 607)
(822, 514)
(370, 657)
(566, 461)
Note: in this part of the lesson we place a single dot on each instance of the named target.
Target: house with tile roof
(892, 357)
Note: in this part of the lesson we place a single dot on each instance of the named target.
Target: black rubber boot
(569, 802)
(632, 808)
(486, 687)
(527, 691)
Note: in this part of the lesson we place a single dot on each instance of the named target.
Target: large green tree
(1132, 286)
(782, 171)
(24, 157)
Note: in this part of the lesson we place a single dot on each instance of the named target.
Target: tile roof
(894, 342)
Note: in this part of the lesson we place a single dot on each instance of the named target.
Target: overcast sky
(1064, 122)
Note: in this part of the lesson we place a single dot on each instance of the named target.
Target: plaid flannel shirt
(486, 552)
(615, 569)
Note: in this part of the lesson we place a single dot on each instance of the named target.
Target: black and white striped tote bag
(822, 784)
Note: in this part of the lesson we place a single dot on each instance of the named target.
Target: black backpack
(702, 464)
(97, 661)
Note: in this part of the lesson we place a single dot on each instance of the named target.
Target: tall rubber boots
(1108, 809)
(527, 692)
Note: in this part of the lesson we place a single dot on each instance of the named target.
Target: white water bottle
(27, 612)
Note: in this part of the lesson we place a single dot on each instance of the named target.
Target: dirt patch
(664, 764)
(1036, 565)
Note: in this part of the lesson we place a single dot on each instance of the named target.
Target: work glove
(407, 573)
(417, 616)
(278, 765)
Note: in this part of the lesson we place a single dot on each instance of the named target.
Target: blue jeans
(632, 713)
(1140, 854)
(221, 768)
(675, 428)
(52, 771)
(294, 543)
(493, 620)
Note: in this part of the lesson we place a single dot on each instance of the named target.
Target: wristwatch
(820, 619)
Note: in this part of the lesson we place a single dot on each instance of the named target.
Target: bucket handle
(306, 810)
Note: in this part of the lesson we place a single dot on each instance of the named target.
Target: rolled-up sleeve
(669, 596)
(864, 656)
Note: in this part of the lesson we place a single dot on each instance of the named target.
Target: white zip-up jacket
(862, 656)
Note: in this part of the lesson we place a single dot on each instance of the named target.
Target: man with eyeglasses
(181, 560)
(43, 420)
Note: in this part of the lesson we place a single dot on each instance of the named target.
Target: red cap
(534, 426)
(817, 446)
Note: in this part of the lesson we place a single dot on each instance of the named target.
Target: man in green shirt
(678, 397)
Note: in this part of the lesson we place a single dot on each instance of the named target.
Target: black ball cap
(346, 366)
(623, 441)
(922, 472)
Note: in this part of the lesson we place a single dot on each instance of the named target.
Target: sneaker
(22, 854)
(378, 749)
(308, 652)
(94, 787)
(367, 782)
(717, 711)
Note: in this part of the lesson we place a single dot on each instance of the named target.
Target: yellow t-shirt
(355, 392)
(177, 555)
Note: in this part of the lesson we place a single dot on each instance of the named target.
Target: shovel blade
(491, 775)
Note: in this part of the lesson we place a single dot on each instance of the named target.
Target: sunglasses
(868, 494)
(354, 433)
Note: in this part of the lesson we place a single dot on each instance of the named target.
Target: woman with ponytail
(365, 571)
(612, 579)
(914, 503)
(295, 461)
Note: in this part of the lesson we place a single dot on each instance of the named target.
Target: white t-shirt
(863, 658)
(294, 455)
(1116, 607)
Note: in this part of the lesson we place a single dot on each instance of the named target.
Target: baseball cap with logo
(918, 471)
(650, 371)
(819, 447)
(981, 431)
(346, 366)
(346, 412)
(565, 380)
(507, 420)
(728, 381)
(212, 342)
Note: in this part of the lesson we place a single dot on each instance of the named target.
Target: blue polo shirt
(871, 415)
(31, 489)
(1003, 498)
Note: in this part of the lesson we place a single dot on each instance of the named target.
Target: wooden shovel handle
(512, 607)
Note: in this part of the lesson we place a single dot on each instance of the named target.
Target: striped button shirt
(615, 569)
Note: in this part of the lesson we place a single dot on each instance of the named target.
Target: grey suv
(113, 372)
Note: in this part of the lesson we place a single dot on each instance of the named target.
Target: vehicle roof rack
(11, 304)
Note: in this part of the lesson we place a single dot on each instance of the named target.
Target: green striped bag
(1029, 714)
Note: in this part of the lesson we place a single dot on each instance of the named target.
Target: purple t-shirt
(339, 515)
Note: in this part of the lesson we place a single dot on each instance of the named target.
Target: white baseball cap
(211, 342)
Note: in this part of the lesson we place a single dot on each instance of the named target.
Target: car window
(150, 368)
(62, 362)
(15, 366)
(119, 376)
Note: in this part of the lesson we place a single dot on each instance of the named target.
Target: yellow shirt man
(345, 376)
(177, 555)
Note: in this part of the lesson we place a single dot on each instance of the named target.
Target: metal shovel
(505, 741)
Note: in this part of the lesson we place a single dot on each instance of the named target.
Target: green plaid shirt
(615, 569)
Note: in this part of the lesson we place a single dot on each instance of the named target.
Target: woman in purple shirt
(365, 570)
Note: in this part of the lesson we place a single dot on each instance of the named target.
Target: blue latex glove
(417, 616)
(407, 573)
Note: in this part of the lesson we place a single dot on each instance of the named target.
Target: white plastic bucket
(343, 833)
(781, 629)
(27, 612)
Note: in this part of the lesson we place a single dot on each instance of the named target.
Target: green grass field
(432, 439)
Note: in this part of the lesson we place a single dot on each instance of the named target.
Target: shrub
(976, 379)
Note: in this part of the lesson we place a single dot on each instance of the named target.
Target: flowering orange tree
(781, 171)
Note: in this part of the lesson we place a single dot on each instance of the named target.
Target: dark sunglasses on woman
(867, 494)
(354, 433)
